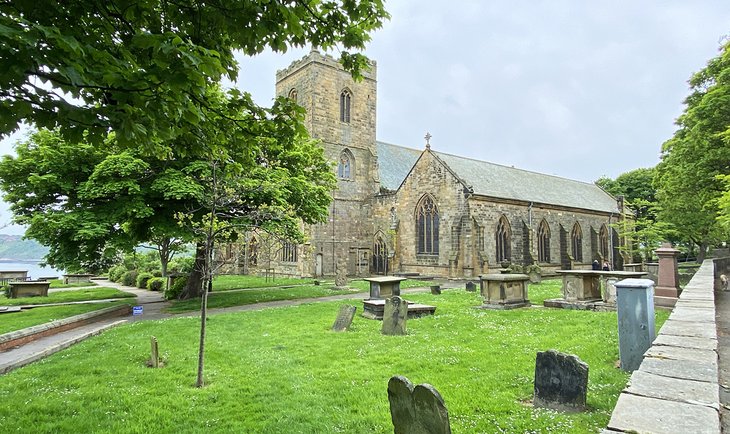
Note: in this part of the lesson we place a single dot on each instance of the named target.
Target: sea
(33, 267)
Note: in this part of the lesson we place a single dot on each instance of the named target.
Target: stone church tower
(340, 113)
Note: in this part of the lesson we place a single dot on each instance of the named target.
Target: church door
(380, 257)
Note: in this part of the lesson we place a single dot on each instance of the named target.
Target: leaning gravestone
(436, 289)
(471, 286)
(344, 318)
(561, 381)
(416, 410)
(395, 316)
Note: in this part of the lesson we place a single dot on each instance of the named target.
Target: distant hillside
(14, 247)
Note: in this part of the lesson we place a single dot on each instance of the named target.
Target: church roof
(494, 180)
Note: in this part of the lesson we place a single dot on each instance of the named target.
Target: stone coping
(676, 386)
(385, 279)
(504, 277)
(10, 339)
(625, 274)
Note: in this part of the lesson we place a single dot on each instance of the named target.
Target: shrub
(181, 265)
(156, 284)
(142, 279)
(129, 278)
(176, 289)
(115, 273)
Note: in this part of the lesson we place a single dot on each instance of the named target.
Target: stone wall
(676, 386)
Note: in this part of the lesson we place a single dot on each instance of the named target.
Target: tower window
(293, 95)
(427, 226)
(345, 165)
(345, 101)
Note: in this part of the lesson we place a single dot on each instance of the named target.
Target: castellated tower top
(324, 59)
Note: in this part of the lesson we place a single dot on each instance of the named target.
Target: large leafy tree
(142, 68)
(689, 176)
(644, 231)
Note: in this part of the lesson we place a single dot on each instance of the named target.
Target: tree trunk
(164, 250)
(195, 279)
(702, 252)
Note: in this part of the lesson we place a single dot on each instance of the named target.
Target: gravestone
(561, 381)
(436, 289)
(154, 361)
(395, 316)
(471, 286)
(344, 318)
(341, 277)
(416, 410)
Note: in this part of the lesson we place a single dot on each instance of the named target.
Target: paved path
(153, 305)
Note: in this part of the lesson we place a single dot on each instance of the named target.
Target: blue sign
(137, 310)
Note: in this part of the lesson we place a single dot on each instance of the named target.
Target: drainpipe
(610, 242)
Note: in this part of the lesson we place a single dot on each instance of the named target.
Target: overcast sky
(571, 88)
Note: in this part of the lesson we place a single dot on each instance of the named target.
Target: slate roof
(494, 180)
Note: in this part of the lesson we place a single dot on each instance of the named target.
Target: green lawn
(240, 298)
(283, 371)
(99, 293)
(227, 282)
(58, 283)
(19, 320)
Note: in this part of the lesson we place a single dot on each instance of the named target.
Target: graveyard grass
(283, 370)
(228, 298)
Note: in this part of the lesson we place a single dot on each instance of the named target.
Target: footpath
(153, 308)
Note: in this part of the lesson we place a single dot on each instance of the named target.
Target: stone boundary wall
(676, 387)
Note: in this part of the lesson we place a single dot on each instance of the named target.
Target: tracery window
(427, 226)
(543, 242)
(345, 165)
(345, 101)
(253, 251)
(603, 241)
(288, 252)
(502, 238)
(576, 241)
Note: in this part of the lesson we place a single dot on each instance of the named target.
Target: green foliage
(182, 265)
(482, 362)
(174, 291)
(129, 278)
(689, 177)
(116, 272)
(156, 284)
(142, 279)
(142, 69)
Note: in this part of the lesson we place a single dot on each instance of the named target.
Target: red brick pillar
(667, 290)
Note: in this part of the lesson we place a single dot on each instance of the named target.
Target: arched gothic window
(293, 95)
(576, 241)
(380, 256)
(253, 251)
(288, 252)
(345, 165)
(543, 242)
(502, 238)
(345, 101)
(427, 226)
(603, 242)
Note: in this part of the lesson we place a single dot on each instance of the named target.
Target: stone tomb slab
(344, 318)
(383, 287)
(504, 291)
(650, 415)
(416, 409)
(395, 317)
(561, 381)
(673, 389)
(374, 309)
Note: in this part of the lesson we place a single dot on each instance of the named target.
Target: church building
(403, 210)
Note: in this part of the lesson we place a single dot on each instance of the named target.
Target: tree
(142, 68)
(688, 179)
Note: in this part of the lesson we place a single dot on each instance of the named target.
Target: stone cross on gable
(428, 140)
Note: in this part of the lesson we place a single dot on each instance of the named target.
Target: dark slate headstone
(436, 289)
(394, 316)
(344, 318)
(561, 381)
(471, 286)
(416, 410)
